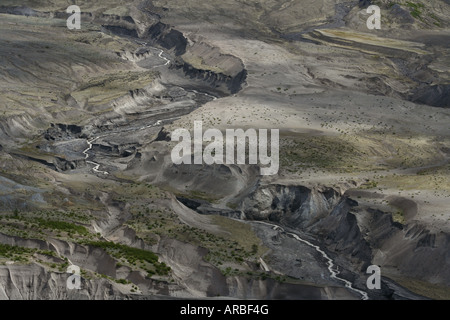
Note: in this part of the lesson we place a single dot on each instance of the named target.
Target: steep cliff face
(168, 38)
(84, 256)
(434, 95)
(34, 282)
(37, 279)
(294, 206)
(341, 232)
(232, 84)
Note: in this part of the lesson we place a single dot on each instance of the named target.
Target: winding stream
(331, 266)
(167, 60)
(204, 93)
(96, 166)
(89, 142)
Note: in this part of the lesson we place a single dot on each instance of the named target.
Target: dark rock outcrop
(435, 95)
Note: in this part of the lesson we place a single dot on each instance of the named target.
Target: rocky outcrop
(293, 206)
(168, 38)
(215, 80)
(61, 131)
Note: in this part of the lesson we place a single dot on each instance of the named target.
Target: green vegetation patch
(325, 152)
(21, 254)
(415, 9)
(14, 252)
(133, 255)
(242, 233)
(199, 195)
(364, 152)
(62, 226)
(34, 224)
(398, 217)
